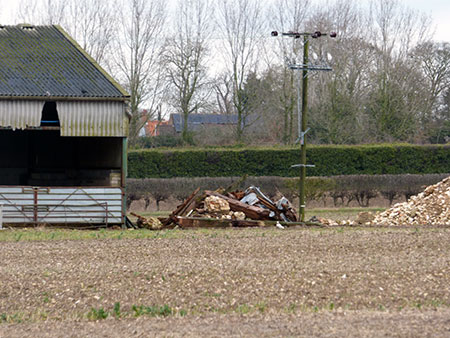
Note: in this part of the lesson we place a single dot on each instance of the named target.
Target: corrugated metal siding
(93, 118)
(52, 205)
(20, 114)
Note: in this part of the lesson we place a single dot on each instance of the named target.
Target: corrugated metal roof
(93, 118)
(41, 61)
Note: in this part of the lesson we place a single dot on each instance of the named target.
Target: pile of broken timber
(211, 209)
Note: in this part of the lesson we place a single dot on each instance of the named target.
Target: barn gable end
(63, 131)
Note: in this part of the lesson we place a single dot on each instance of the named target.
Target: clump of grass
(261, 307)
(46, 297)
(153, 311)
(243, 309)
(3, 317)
(116, 310)
(291, 308)
(15, 318)
(97, 314)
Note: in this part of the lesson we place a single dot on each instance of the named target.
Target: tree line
(390, 80)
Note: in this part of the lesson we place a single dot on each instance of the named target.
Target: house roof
(151, 127)
(44, 61)
(195, 120)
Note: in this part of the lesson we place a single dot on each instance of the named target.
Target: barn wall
(61, 205)
(76, 118)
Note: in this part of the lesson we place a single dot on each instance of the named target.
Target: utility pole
(305, 67)
(302, 203)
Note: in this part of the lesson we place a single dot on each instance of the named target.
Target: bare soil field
(331, 282)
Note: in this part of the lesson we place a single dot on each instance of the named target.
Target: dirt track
(248, 282)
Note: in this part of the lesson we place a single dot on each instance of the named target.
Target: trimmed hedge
(329, 161)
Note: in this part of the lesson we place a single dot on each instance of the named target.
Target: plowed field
(232, 282)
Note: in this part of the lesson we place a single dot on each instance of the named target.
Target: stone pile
(151, 223)
(216, 207)
(430, 207)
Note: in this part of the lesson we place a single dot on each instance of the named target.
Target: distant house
(153, 128)
(63, 131)
(196, 123)
(199, 122)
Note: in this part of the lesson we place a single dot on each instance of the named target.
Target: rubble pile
(238, 208)
(216, 207)
(151, 223)
(221, 208)
(430, 207)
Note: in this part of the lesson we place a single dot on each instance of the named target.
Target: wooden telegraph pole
(305, 67)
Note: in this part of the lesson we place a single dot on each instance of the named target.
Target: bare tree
(240, 23)
(185, 57)
(395, 29)
(394, 106)
(137, 56)
(434, 61)
(223, 88)
(337, 97)
(92, 24)
(284, 16)
(43, 12)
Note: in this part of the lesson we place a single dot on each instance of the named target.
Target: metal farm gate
(61, 205)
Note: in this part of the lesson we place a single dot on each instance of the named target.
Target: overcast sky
(438, 9)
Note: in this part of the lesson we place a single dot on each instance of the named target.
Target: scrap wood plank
(193, 204)
(193, 222)
(181, 208)
(198, 222)
(250, 211)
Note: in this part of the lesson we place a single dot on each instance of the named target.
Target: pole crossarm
(311, 67)
(303, 165)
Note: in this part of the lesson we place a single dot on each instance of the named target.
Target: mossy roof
(43, 61)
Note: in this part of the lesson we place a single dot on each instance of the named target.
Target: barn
(63, 132)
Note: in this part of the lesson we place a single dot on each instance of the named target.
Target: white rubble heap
(219, 208)
(216, 204)
(430, 207)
